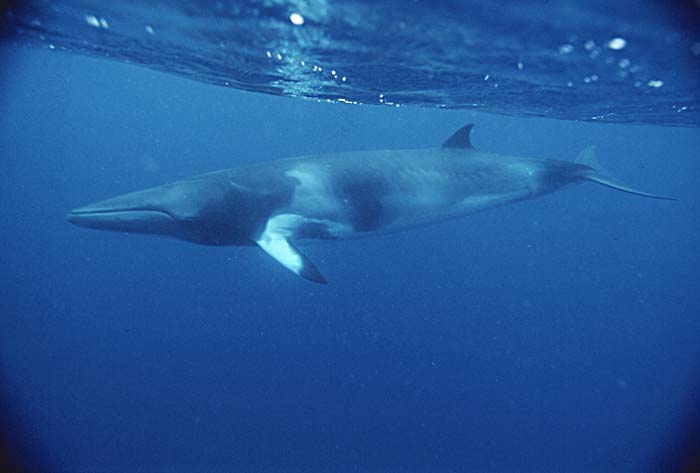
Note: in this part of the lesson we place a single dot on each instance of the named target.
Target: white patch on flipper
(274, 241)
(279, 248)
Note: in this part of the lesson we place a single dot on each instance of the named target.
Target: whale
(280, 205)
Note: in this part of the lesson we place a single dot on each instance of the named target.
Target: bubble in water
(92, 21)
(566, 49)
(95, 22)
(296, 19)
(617, 43)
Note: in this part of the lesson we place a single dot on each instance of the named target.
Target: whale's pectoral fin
(277, 246)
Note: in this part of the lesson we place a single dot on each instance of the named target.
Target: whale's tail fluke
(594, 172)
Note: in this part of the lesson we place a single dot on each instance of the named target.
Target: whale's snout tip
(73, 215)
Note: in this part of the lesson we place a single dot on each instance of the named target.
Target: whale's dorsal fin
(460, 139)
(274, 241)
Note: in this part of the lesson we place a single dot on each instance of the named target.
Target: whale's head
(205, 209)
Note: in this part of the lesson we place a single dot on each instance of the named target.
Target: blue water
(560, 334)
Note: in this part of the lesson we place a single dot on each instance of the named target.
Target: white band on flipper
(274, 241)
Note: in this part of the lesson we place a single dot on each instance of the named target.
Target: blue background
(557, 334)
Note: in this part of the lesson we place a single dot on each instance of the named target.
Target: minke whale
(279, 204)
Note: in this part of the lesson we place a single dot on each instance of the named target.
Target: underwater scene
(350, 236)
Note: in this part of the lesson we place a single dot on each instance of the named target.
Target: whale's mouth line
(126, 219)
(116, 211)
